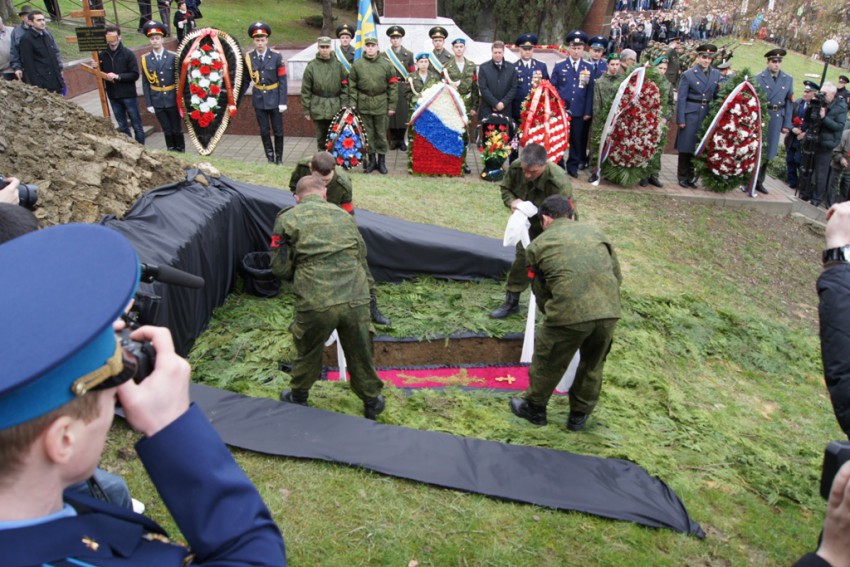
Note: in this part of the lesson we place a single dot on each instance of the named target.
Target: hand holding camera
(16, 193)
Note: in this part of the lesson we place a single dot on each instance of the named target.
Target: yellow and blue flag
(365, 27)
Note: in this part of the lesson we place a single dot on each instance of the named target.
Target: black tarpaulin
(610, 488)
(207, 230)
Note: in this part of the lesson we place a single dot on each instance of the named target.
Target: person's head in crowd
(181, 6)
(660, 65)
(459, 47)
(628, 57)
(15, 221)
(371, 47)
(113, 37)
(555, 207)
(809, 90)
(324, 47)
(842, 81)
(774, 60)
(705, 54)
(323, 166)
(498, 51)
(344, 32)
(533, 161)
(575, 42)
(259, 33)
(24, 14)
(310, 185)
(438, 35)
(613, 63)
(828, 89)
(526, 43)
(422, 63)
(598, 45)
(155, 32)
(396, 35)
(38, 20)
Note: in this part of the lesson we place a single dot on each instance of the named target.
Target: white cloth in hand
(517, 229)
(528, 208)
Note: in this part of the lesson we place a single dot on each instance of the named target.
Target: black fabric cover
(609, 488)
(208, 230)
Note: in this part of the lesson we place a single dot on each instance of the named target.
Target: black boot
(373, 163)
(654, 181)
(267, 147)
(169, 142)
(294, 397)
(402, 145)
(508, 307)
(528, 411)
(372, 408)
(382, 164)
(576, 421)
(278, 149)
(179, 143)
(377, 317)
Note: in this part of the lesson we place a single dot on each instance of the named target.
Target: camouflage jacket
(415, 86)
(317, 246)
(324, 88)
(340, 189)
(373, 85)
(553, 181)
(604, 92)
(466, 82)
(576, 275)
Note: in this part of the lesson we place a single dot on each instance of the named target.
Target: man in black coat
(122, 71)
(497, 81)
(833, 117)
(40, 65)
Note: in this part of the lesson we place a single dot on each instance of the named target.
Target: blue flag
(365, 27)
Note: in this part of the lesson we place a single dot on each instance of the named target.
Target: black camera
(27, 194)
(139, 357)
(837, 453)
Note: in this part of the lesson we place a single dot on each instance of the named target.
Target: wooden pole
(88, 14)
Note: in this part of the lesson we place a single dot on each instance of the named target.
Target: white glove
(150, 109)
(517, 229)
(181, 24)
(281, 108)
(528, 208)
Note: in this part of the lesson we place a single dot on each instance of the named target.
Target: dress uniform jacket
(348, 52)
(553, 181)
(496, 85)
(405, 57)
(324, 88)
(444, 56)
(269, 77)
(599, 68)
(373, 85)
(524, 76)
(179, 460)
(575, 87)
(466, 82)
(780, 98)
(696, 91)
(158, 83)
(340, 189)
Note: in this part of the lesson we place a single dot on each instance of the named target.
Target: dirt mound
(84, 168)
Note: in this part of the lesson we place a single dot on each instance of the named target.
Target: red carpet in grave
(494, 377)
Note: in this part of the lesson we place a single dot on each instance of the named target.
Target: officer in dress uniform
(402, 61)
(697, 88)
(160, 88)
(440, 56)
(793, 140)
(528, 70)
(598, 46)
(81, 278)
(574, 80)
(778, 89)
(267, 71)
(344, 50)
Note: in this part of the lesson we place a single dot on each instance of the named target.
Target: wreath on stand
(497, 141)
(346, 140)
(545, 121)
(729, 154)
(438, 123)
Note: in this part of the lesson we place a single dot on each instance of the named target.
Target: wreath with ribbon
(545, 121)
(346, 138)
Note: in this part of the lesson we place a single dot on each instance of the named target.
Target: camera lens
(27, 196)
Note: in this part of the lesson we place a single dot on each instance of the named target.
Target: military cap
(598, 42)
(660, 60)
(370, 40)
(438, 32)
(613, 56)
(775, 54)
(725, 65)
(324, 41)
(707, 49)
(344, 29)
(843, 79)
(810, 86)
(423, 55)
(458, 40)
(576, 37)
(77, 280)
(673, 39)
(153, 28)
(259, 29)
(395, 31)
(527, 40)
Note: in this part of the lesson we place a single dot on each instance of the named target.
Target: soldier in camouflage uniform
(402, 61)
(604, 91)
(374, 92)
(339, 192)
(324, 90)
(317, 247)
(422, 78)
(463, 75)
(577, 285)
(531, 178)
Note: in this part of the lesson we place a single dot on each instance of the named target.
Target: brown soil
(83, 167)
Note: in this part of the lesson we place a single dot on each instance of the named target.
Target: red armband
(347, 207)
(345, 81)
(281, 71)
(275, 243)
(393, 80)
(532, 272)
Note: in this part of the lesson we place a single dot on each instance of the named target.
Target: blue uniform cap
(423, 55)
(527, 40)
(810, 86)
(63, 288)
(598, 42)
(576, 37)
(458, 40)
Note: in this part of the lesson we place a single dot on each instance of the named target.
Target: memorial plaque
(91, 39)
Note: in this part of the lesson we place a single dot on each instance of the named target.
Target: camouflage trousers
(310, 331)
(554, 348)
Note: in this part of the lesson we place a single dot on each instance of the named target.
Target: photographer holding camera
(9, 193)
(826, 117)
(57, 398)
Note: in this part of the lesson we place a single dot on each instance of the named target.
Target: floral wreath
(496, 144)
(438, 122)
(544, 121)
(346, 138)
(205, 81)
(729, 154)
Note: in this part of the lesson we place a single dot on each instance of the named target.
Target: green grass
(799, 66)
(714, 384)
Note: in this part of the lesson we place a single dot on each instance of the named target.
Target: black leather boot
(294, 397)
(278, 150)
(169, 142)
(377, 317)
(508, 307)
(179, 143)
(267, 147)
(373, 408)
(654, 181)
(576, 421)
(373, 163)
(528, 411)
(382, 164)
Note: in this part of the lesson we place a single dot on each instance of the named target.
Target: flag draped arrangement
(438, 123)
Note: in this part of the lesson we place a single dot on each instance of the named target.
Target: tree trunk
(6, 11)
(327, 18)
(487, 22)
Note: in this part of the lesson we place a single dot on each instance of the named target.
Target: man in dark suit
(778, 89)
(267, 71)
(39, 61)
(159, 86)
(697, 88)
(497, 80)
(794, 139)
(574, 80)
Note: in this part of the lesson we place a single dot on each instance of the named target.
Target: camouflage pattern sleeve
(282, 261)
